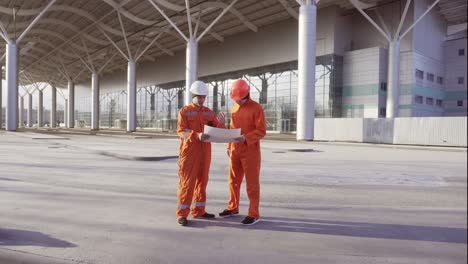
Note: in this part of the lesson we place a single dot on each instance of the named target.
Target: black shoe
(182, 221)
(227, 213)
(250, 220)
(206, 216)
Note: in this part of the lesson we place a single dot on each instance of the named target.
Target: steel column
(191, 68)
(65, 113)
(71, 104)
(306, 71)
(40, 108)
(95, 101)
(30, 110)
(12, 86)
(21, 112)
(53, 110)
(1, 106)
(393, 88)
(131, 96)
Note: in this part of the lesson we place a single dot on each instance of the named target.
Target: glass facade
(273, 86)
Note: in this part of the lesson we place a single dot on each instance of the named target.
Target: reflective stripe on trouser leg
(236, 174)
(184, 194)
(183, 206)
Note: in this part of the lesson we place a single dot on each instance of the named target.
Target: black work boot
(250, 220)
(228, 213)
(182, 221)
(206, 216)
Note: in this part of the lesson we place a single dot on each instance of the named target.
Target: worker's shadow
(343, 228)
(16, 237)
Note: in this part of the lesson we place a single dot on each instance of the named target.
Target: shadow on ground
(342, 228)
(16, 237)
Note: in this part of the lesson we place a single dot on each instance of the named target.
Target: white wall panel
(438, 131)
(429, 131)
(378, 130)
(338, 129)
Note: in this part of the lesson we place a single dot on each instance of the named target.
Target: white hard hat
(199, 88)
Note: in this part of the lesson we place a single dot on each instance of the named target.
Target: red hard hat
(239, 90)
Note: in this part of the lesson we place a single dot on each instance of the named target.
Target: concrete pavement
(71, 198)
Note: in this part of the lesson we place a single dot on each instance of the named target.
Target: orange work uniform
(245, 157)
(194, 159)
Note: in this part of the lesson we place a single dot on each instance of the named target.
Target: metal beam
(165, 50)
(213, 34)
(453, 29)
(90, 60)
(358, 5)
(198, 21)
(124, 35)
(397, 33)
(379, 16)
(77, 76)
(147, 47)
(113, 43)
(35, 21)
(289, 9)
(105, 64)
(4, 33)
(216, 20)
(419, 19)
(189, 19)
(84, 62)
(169, 20)
(59, 47)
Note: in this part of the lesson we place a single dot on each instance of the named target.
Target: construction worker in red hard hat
(244, 154)
(195, 154)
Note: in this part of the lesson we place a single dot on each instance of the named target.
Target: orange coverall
(194, 159)
(245, 157)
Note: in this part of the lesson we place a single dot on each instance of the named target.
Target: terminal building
(127, 64)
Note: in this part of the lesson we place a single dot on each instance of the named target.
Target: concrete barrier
(431, 131)
(338, 129)
(378, 130)
(428, 131)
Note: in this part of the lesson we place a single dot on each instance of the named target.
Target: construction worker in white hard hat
(195, 154)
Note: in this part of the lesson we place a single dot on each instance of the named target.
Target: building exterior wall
(272, 44)
(340, 34)
(429, 33)
(455, 67)
(427, 56)
(362, 72)
(427, 86)
(364, 35)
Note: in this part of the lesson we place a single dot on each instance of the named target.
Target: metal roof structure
(454, 11)
(72, 38)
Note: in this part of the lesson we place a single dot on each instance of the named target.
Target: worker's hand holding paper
(221, 135)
